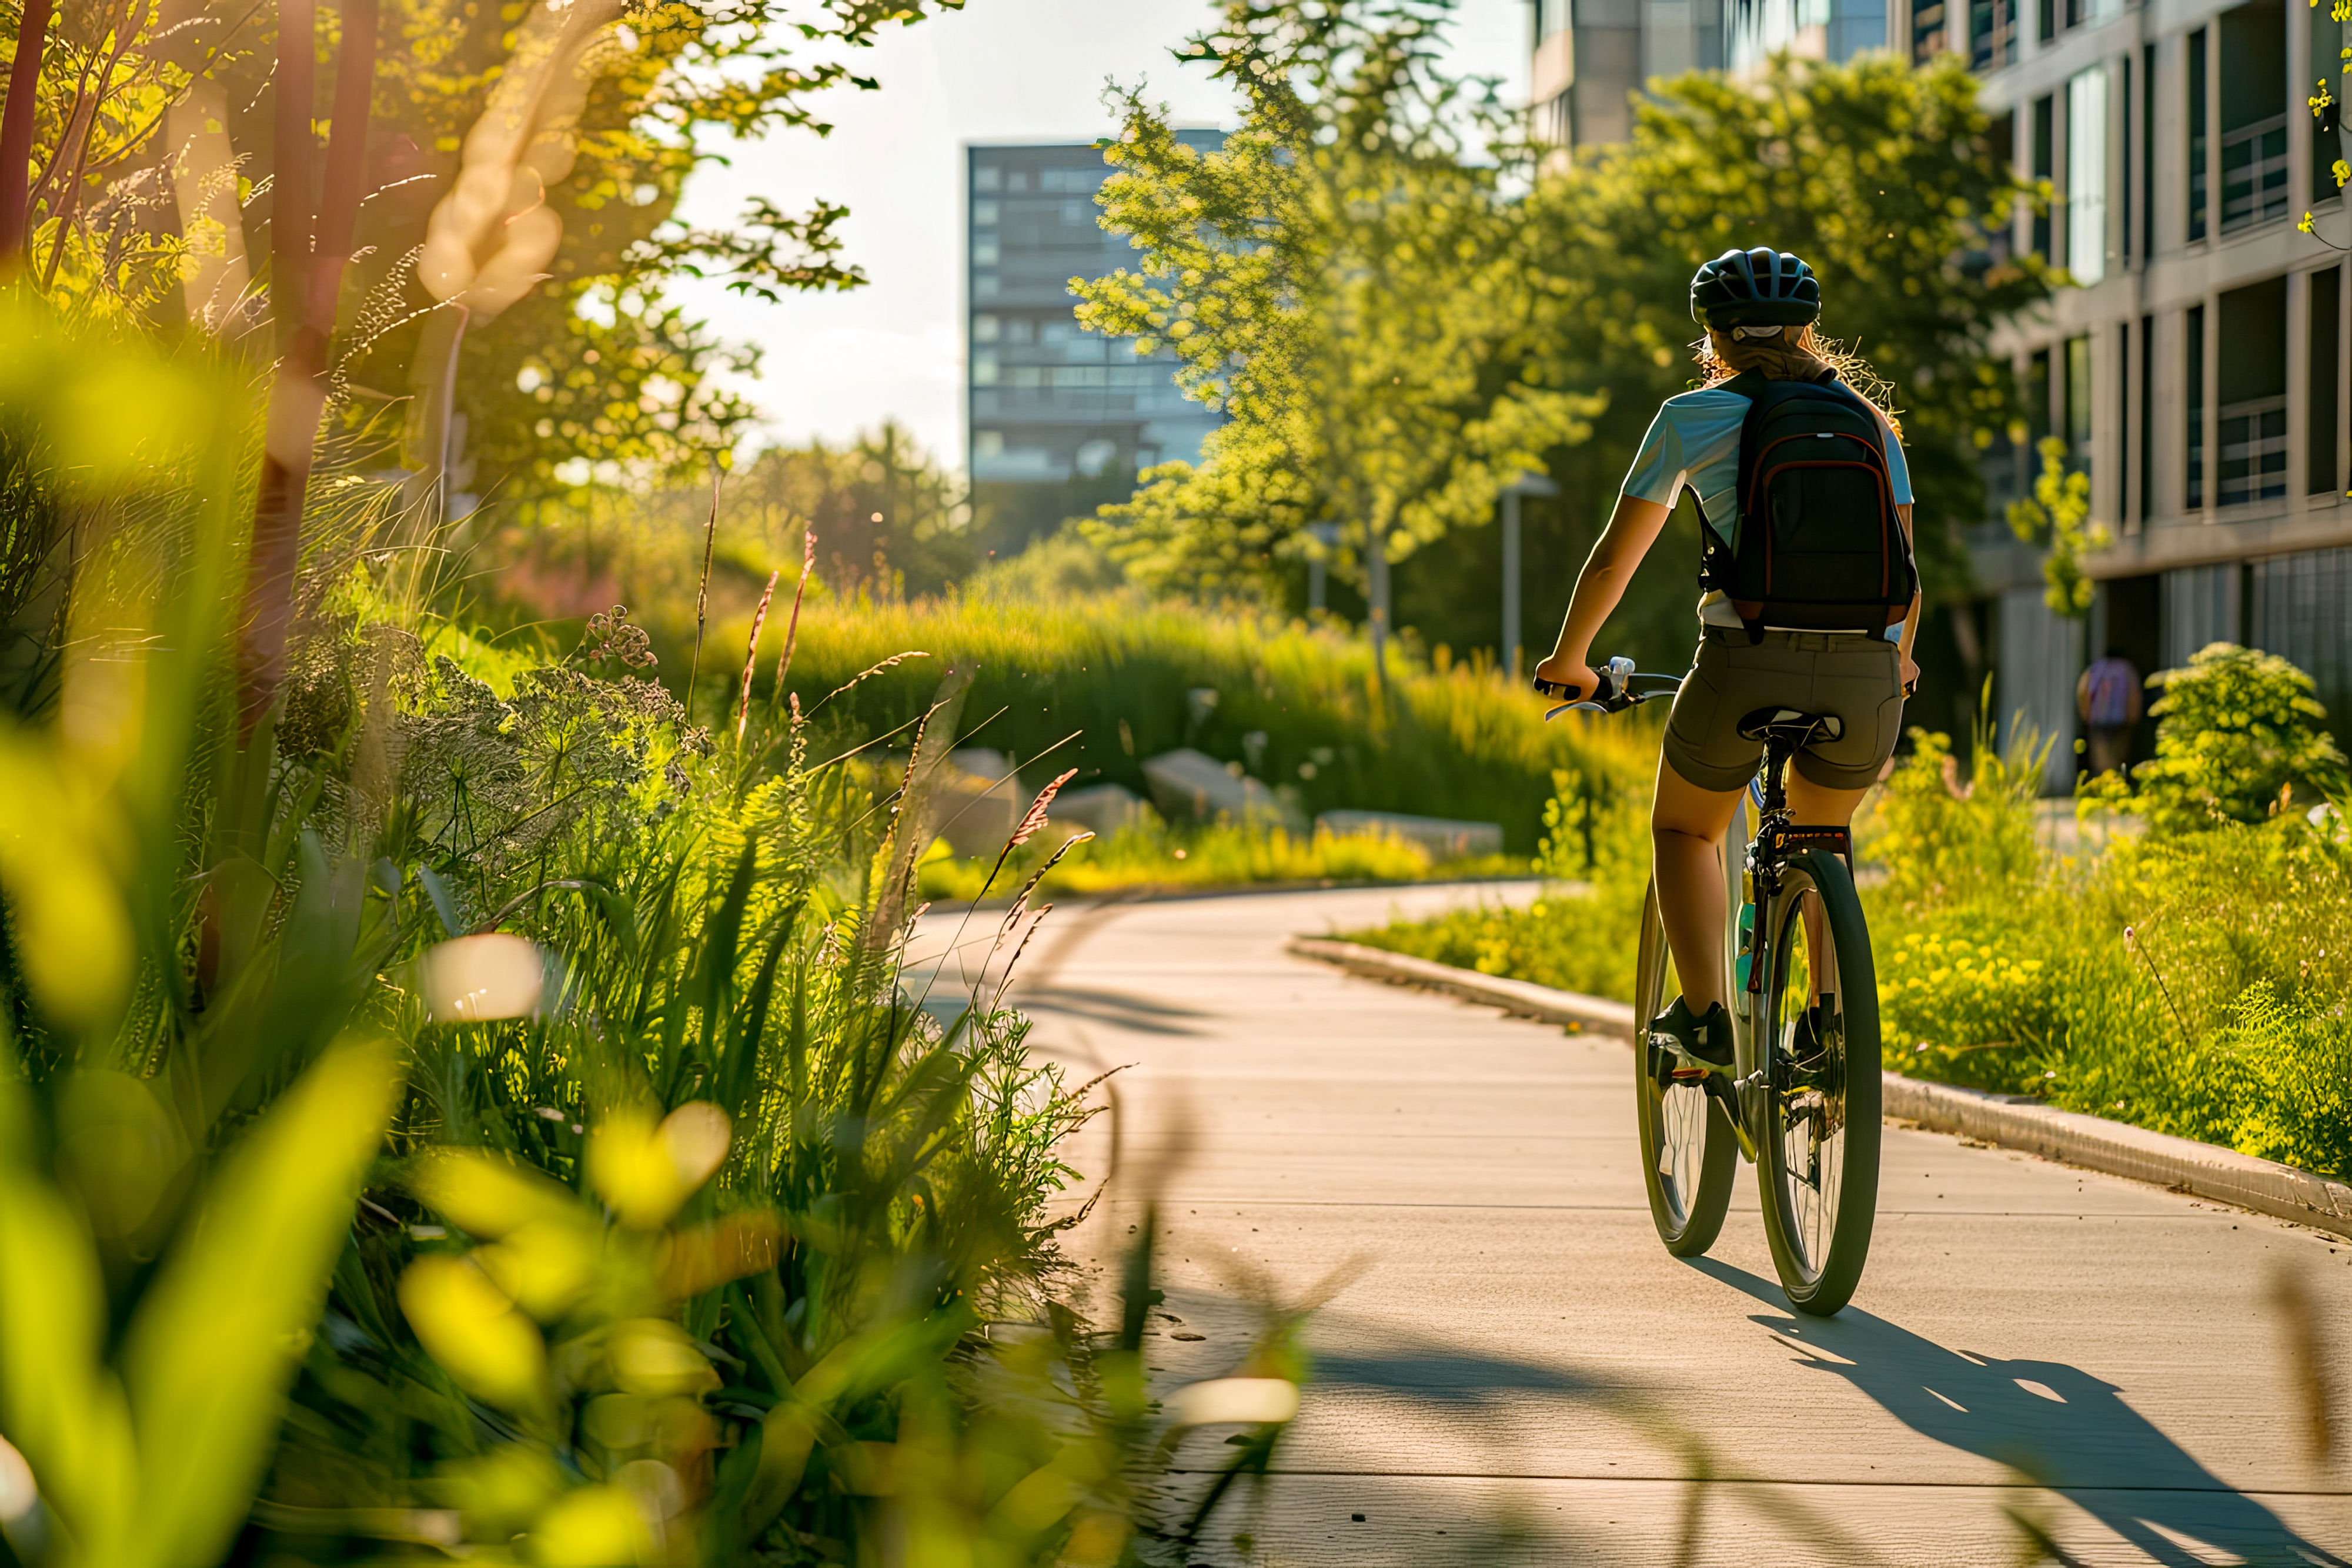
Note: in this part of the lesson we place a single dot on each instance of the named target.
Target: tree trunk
(305, 282)
(16, 133)
(1376, 581)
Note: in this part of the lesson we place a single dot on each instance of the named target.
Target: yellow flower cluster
(1931, 961)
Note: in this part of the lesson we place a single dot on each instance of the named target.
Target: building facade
(1057, 419)
(2199, 368)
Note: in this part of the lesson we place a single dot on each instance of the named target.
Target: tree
(1882, 178)
(1346, 284)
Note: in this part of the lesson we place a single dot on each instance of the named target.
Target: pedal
(1719, 1089)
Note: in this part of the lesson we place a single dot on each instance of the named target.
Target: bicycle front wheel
(1816, 1109)
(1687, 1147)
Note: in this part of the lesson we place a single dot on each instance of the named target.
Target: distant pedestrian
(2108, 698)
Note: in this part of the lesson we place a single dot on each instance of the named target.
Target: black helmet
(1758, 287)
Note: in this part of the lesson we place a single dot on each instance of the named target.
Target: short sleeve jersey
(1694, 443)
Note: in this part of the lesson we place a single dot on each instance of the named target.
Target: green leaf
(59, 1404)
(218, 1339)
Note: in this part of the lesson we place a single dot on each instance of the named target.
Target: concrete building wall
(2199, 368)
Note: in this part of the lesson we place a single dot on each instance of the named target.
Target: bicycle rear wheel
(1687, 1146)
(1816, 1112)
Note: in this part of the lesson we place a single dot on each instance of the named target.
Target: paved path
(1518, 1374)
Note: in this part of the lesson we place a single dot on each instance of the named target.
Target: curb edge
(2012, 1122)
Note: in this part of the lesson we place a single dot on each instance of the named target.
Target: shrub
(2235, 729)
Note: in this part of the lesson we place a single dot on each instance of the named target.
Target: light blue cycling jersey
(1694, 441)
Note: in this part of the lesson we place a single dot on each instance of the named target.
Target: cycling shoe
(1692, 1046)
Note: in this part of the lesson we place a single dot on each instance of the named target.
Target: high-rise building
(2198, 366)
(1592, 55)
(1060, 419)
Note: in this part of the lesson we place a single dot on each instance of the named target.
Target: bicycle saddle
(1787, 725)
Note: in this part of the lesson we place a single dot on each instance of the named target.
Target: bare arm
(1632, 529)
(1910, 616)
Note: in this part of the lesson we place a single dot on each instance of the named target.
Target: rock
(1442, 838)
(976, 802)
(1189, 784)
(1101, 808)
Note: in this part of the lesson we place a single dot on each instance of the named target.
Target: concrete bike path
(1515, 1372)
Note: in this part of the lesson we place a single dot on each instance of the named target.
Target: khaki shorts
(1855, 676)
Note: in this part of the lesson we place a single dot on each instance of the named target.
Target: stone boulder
(1191, 786)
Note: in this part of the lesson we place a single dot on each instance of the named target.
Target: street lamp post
(1318, 565)
(1520, 486)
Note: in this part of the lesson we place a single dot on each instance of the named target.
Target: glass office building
(1058, 418)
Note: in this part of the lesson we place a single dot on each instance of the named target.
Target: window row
(2200, 402)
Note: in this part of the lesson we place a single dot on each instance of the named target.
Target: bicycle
(1801, 1100)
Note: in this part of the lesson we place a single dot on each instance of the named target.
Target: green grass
(2196, 983)
(1224, 854)
(1100, 683)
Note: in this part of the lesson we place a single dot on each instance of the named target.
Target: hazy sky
(1000, 70)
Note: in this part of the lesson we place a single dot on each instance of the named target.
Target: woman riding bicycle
(1811, 600)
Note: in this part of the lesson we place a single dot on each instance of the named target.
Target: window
(2047, 20)
(1992, 28)
(2086, 175)
(2249, 386)
(2125, 436)
(2252, 83)
(2077, 402)
(2197, 117)
(2327, 307)
(984, 327)
(2037, 402)
(2147, 155)
(2045, 134)
(2327, 39)
(2253, 451)
(2193, 383)
(987, 177)
(2125, 229)
(2147, 417)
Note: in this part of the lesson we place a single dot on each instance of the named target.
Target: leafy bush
(2235, 730)
(512, 1072)
(2194, 982)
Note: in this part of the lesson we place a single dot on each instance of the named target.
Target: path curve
(1515, 1372)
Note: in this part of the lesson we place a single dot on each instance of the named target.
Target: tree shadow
(2056, 1425)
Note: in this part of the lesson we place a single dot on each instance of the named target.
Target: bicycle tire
(1688, 1149)
(1815, 1117)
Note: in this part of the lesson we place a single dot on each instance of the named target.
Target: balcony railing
(2254, 173)
(2253, 451)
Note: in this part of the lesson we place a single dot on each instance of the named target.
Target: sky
(1000, 70)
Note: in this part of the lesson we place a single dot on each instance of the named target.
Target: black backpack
(1816, 544)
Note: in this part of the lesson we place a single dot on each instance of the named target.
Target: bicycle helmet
(1760, 287)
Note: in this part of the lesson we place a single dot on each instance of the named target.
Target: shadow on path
(1121, 1009)
(2056, 1425)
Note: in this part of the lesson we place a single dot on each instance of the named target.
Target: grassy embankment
(2194, 982)
(1100, 683)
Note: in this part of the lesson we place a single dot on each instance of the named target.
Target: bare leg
(1813, 806)
(1686, 827)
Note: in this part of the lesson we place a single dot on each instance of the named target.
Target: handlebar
(1616, 692)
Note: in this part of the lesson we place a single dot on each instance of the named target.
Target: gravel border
(2014, 1122)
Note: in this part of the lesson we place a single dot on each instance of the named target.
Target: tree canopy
(1348, 283)
(1401, 305)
